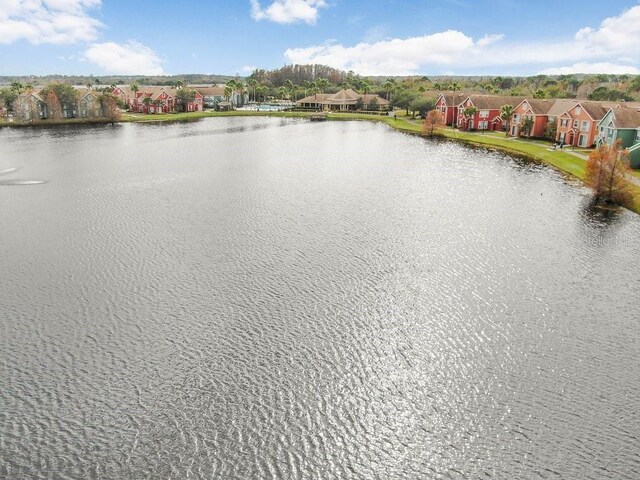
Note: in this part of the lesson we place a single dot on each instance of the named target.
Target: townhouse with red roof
(487, 112)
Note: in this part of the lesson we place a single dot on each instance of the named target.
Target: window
(578, 110)
(575, 123)
(585, 126)
(564, 122)
(516, 117)
(484, 113)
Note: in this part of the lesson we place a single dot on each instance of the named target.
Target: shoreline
(562, 161)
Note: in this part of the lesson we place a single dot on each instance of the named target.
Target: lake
(243, 298)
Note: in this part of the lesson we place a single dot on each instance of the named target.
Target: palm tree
(453, 87)
(134, 88)
(147, 101)
(389, 85)
(322, 84)
(240, 90)
(467, 113)
(231, 85)
(506, 111)
(345, 85)
(263, 90)
(253, 83)
(288, 84)
(306, 86)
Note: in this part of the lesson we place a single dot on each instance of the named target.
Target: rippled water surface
(250, 298)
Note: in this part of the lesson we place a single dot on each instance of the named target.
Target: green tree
(262, 90)
(526, 126)
(109, 107)
(17, 87)
(253, 84)
(468, 113)
(539, 93)
(306, 86)
(322, 84)
(506, 112)
(231, 86)
(240, 90)
(8, 97)
(389, 86)
(184, 96)
(455, 86)
(288, 84)
(605, 93)
(421, 104)
(228, 91)
(550, 130)
(67, 96)
(404, 98)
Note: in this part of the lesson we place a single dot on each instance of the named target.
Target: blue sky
(370, 37)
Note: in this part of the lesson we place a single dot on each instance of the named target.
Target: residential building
(89, 105)
(30, 106)
(487, 114)
(213, 97)
(344, 100)
(541, 111)
(447, 105)
(578, 126)
(622, 123)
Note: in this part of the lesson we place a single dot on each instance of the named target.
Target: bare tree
(433, 118)
(607, 174)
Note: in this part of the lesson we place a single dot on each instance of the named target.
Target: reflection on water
(298, 300)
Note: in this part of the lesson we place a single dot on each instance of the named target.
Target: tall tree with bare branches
(607, 174)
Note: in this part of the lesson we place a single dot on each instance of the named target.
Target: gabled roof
(492, 102)
(561, 106)
(211, 91)
(25, 95)
(315, 98)
(625, 117)
(450, 97)
(596, 110)
(343, 97)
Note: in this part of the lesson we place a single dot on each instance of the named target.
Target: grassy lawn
(535, 149)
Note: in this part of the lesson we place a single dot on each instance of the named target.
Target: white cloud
(619, 34)
(288, 11)
(602, 67)
(248, 68)
(48, 21)
(395, 56)
(129, 58)
(616, 39)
